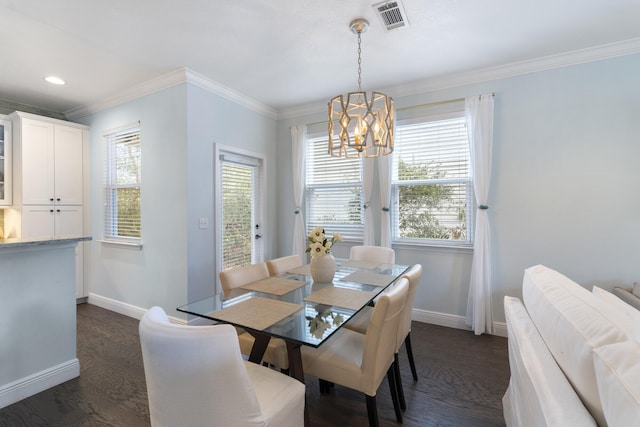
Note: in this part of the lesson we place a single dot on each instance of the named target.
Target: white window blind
(431, 181)
(333, 191)
(238, 207)
(122, 183)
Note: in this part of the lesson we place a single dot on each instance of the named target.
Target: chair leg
(372, 410)
(407, 344)
(396, 369)
(325, 386)
(391, 377)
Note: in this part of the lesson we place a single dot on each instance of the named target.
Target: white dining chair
(276, 352)
(196, 377)
(360, 361)
(284, 264)
(360, 323)
(238, 276)
(379, 254)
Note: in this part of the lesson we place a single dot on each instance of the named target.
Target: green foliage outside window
(236, 216)
(430, 211)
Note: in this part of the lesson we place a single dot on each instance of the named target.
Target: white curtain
(298, 142)
(367, 189)
(384, 172)
(479, 114)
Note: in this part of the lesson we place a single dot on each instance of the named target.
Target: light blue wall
(156, 274)
(565, 170)
(179, 127)
(215, 120)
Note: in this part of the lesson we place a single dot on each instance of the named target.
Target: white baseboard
(40, 381)
(122, 307)
(453, 321)
(500, 329)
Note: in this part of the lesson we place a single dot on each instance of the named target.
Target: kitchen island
(38, 315)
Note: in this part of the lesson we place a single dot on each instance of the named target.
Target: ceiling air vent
(391, 14)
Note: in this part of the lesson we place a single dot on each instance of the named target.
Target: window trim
(108, 185)
(463, 245)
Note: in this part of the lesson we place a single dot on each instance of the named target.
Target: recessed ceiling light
(55, 80)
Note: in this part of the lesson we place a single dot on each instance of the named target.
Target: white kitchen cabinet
(5, 163)
(50, 163)
(50, 178)
(41, 222)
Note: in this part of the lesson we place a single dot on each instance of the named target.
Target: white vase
(323, 268)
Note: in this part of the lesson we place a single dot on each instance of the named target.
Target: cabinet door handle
(58, 199)
(50, 210)
(57, 210)
(51, 199)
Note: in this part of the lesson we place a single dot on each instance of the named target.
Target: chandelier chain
(359, 65)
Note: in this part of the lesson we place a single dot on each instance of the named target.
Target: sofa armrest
(625, 295)
(538, 393)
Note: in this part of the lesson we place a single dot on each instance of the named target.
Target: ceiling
(288, 53)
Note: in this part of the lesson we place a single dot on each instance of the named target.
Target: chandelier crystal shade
(361, 122)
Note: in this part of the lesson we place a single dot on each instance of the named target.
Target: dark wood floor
(462, 378)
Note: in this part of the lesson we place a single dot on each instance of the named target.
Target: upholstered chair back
(195, 374)
(283, 264)
(379, 254)
(380, 339)
(404, 327)
(238, 276)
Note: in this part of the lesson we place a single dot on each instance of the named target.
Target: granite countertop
(20, 243)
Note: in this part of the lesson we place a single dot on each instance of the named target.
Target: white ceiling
(287, 53)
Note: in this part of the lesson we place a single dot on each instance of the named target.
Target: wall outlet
(203, 223)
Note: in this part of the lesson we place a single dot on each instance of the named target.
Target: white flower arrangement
(320, 245)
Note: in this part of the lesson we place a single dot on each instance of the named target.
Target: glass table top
(318, 309)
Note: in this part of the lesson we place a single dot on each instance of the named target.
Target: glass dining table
(292, 307)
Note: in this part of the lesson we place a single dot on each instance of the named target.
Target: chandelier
(365, 121)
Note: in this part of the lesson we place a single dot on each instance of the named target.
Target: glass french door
(239, 212)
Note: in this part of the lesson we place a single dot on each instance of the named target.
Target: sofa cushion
(572, 322)
(618, 376)
(538, 394)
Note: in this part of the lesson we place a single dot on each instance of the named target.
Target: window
(432, 195)
(333, 191)
(239, 208)
(122, 185)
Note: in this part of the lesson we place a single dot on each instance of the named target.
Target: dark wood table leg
(259, 347)
(296, 371)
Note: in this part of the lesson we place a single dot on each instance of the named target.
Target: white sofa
(629, 295)
(574, 355)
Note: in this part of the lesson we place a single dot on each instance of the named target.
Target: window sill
(126, 245)
(434, 246)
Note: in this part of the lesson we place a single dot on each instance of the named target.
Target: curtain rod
(429, 104)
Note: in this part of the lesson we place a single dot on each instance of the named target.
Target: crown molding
(576, 57)
(173, 78)
(230, 94)
(184, 75)
(148, 87)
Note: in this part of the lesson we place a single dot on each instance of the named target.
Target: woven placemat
(274, 285)
(341, 297)
(257, 313)
(304, 270)
(369, 278)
